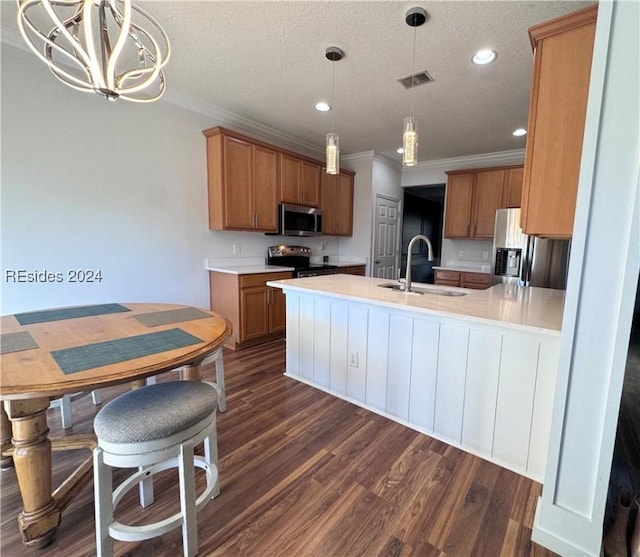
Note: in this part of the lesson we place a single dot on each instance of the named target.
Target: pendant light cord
(413, 72)
(333, 92)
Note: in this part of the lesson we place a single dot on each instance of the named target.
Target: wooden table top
(34, 373)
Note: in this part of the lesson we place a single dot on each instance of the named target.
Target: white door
(385, 242)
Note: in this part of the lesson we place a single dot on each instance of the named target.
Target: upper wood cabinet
(563, 48)
(337, 204)
(242, 183)
(473, 196)
(299, 180)
(513, 188)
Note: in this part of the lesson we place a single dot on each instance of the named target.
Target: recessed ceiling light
(484, 56)
(400, 150)
(323, 106)
(519, 132)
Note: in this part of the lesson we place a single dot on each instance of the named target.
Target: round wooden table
(54, 352)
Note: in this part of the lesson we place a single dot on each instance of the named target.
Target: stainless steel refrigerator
(525, 260)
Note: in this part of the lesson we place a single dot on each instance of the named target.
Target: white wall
(117, 187)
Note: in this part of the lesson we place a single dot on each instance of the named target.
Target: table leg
(5, 438)
(41, 516)
(192, 372)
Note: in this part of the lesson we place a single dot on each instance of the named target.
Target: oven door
(298, 220)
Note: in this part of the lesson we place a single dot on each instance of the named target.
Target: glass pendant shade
(333, 153)
(410, 142)
(110, 47)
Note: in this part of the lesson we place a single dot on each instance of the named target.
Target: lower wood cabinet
(256, 311)
(353, 270)
(462, 279)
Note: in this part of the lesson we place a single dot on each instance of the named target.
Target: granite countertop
(485, 269)
(248, 269)
(525, 308)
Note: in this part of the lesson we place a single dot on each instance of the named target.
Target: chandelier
(110, 47)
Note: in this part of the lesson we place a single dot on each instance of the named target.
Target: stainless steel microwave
(299, 220)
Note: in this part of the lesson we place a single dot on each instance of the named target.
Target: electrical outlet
(236, 249)
(353, 359)
(460, 254)
(485, 255)
(322, 246)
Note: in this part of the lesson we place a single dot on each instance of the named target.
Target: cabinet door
(328, 203)
(344, 205)
(277, 310)
(253, 312)
(458, 205)
(487, 200)
(310, 183)
(447, 278)
(513, 188)
(477, 281)
(238, 203)
(289, 179)
(265, 188)
(559, 90)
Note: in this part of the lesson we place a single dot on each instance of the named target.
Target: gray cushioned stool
(155, 428)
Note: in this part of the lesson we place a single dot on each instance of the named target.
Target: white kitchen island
(476, 371)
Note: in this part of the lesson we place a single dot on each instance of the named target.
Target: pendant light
(414, 17)
(98, 46)
(334, 54)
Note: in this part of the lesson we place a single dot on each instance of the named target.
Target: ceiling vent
(417, 79)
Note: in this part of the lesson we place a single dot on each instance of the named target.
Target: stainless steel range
(299, 258)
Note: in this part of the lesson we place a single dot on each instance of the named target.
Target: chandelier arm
(148, 99)
(154, 72)
(95, 71)
(163, 59)
(51, 44)
(124, 24)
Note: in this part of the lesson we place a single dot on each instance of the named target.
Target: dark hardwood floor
(304, 473)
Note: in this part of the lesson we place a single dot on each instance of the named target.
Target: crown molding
(355, 157)
(498, 158)
(242, 124)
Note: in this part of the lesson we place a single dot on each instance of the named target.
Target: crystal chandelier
(110, 47)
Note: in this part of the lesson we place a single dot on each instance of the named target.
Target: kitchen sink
(421, 290)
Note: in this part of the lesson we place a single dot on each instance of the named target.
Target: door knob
(377, 261)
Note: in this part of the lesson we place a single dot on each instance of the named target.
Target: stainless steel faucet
(407, 283)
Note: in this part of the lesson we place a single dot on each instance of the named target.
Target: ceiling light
(98, 46)
(484, 56)
(399, 150)
(334, 54)
(519, 132)
(322, 106)
(414, 17)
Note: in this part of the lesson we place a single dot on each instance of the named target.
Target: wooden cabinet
(299, 180)
(473, 196)
(353, 270)
(336, 194)
(563, 49)
(513, 188)
(256, 311)
(463, 279)
(242, 183)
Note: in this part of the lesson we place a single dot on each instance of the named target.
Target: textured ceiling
(265, 61)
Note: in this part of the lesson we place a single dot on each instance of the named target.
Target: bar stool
(155, 428)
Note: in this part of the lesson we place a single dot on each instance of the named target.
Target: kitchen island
(475, 370)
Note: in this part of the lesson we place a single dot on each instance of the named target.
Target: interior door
(385, 242)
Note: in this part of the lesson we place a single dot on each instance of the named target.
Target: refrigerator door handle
(525, 270)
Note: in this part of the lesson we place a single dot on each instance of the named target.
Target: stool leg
(188, 500)
(222, 403)
(65, 412)
(145, 488)
(102, 486)
(211, 457)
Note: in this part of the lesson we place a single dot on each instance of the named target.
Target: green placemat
(67, 313)
(16, 342)
(157, 318)
(90, 356)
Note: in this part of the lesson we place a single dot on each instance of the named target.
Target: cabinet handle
(255, 218)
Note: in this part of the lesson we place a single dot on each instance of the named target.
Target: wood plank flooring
(304, 473)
